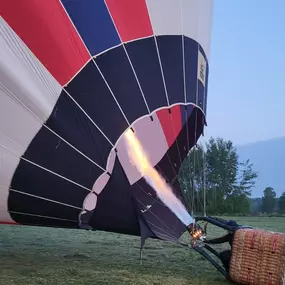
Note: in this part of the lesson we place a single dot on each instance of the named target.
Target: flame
(139, 159)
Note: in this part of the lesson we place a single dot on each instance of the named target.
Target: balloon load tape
(258, 257)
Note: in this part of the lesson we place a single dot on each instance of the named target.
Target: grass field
(33, 255)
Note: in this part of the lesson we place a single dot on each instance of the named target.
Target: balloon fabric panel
(49, 34)
(90, 91)
(191, 65)
(25, 208)
(94, 24)
(170, 51)
(156, 213)
(70, 123)
(119, 74)
(31, 179)
(203, 74)
(190, 133)
(148, 70)
(68, 160)
(165, 16)
(131, 18)
(115, 210)
(170, 163)
(170, 120)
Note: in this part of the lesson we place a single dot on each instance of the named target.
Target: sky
(246, 93)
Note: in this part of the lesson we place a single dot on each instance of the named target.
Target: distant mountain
(268, 158)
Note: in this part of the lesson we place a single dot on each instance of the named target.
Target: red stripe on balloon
(47, 31)
(171, 123)
(131, 18)
(8, 223)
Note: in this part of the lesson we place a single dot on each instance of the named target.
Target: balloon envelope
(75, 75)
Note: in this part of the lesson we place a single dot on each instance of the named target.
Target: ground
(34, 255)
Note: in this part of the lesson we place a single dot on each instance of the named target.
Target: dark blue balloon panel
(170, 50)
(94, 24)
(148, 71)
(90, 91)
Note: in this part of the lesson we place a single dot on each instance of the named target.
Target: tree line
(213, 177)
(269, 203)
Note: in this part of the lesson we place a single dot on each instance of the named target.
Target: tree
(247, 178)
(191, 178)
(217, 171)
(255, 205)
(268, 200)
(242, 192)
(222, 168)
(281, 203)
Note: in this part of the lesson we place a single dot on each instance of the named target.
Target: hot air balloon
(80, 80)
(75, 75)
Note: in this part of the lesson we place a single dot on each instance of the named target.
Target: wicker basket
(258, 257)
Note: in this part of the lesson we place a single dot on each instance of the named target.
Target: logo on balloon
(202, 68)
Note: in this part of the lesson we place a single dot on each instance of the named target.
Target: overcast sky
(246, 97)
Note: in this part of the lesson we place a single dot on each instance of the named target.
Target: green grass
(34, 255)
